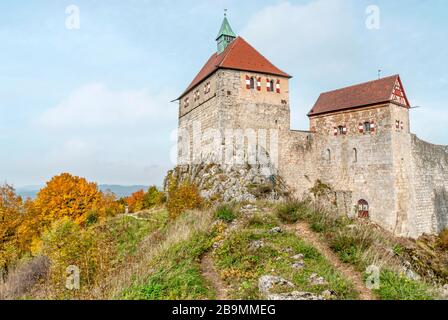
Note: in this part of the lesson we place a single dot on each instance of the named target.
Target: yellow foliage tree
(11, 216)
(68, 196)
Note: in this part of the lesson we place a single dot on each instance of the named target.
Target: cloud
(95, 105)
(109, 136)
(305, 34)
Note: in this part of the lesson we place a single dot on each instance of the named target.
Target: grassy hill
(244, 251)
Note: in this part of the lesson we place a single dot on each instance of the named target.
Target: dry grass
(136, 271)
(24, 277)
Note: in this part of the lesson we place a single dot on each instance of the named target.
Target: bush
(153, 197)
(225, 213)
(182, 198)
(350, 245)
(398, 287)
(24, 277)
(292, 211)
(443, 239)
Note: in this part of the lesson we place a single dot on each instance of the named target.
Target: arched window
(328, 155)
(252, 83)
(271, 86)
(355, 155)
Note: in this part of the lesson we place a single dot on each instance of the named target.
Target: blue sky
(96, 101)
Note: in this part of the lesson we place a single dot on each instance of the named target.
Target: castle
(359, 141)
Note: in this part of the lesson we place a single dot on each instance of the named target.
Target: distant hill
(121, 191)
(118, 190)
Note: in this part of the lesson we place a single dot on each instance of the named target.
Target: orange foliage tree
(11, 216)
(68, 196)
(135, 201)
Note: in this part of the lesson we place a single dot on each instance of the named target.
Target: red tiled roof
(360, 95)
(239, 55)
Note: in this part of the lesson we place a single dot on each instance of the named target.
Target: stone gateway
(236, 111)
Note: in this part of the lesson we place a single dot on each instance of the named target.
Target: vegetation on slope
(363, 244)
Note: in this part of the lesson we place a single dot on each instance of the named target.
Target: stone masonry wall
(358, 163)
(430, 170)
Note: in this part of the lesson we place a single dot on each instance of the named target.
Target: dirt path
(348, 271)
(208, 270)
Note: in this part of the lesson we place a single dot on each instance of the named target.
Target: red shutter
(372, 126)
(361, 128)
(259, 84)
(278, 86)
(335, 130)
(247, 82)
(268, 85)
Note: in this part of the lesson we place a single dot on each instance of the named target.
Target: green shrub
(292, 211)
(153, 197)
(225, 213)
(350, 245)
(399, 287)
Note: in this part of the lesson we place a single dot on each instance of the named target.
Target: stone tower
(237, 95)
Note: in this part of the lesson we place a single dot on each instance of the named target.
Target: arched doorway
(363, 209)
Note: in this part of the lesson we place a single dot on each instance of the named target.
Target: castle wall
(430, 172)
(355, 162)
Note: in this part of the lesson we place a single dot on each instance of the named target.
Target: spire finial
(225, 35)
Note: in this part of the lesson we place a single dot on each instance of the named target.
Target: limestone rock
(316, 280)
(267, 283)
(255, 245)
(275, 230)
(295, 295)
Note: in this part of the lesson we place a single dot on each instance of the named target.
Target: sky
(93, 98)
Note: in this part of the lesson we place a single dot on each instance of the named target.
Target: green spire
(225, 35)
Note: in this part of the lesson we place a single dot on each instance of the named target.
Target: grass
(177, 273)
(225, 213)
(242, 265)
(360, 244)
(167, 265)
(397, 287)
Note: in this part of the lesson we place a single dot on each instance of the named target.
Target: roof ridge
(230, 48)
(361, 84)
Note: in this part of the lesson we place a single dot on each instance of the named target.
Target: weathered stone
(315, 280)
(267, 283)
(255, 245)
(275, 230)
(298, 265)
(295, 295)
(299, 256)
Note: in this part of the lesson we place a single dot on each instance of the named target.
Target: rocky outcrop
(219, 183)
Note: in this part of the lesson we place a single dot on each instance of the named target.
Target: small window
(355, 155)
(271, 86)
(328, 155)
(341, 130)
(367, 127)
(252, 83)
(363, 209)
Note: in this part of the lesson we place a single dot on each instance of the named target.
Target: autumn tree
(11, 216)
(135, 201)
(68, 196)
